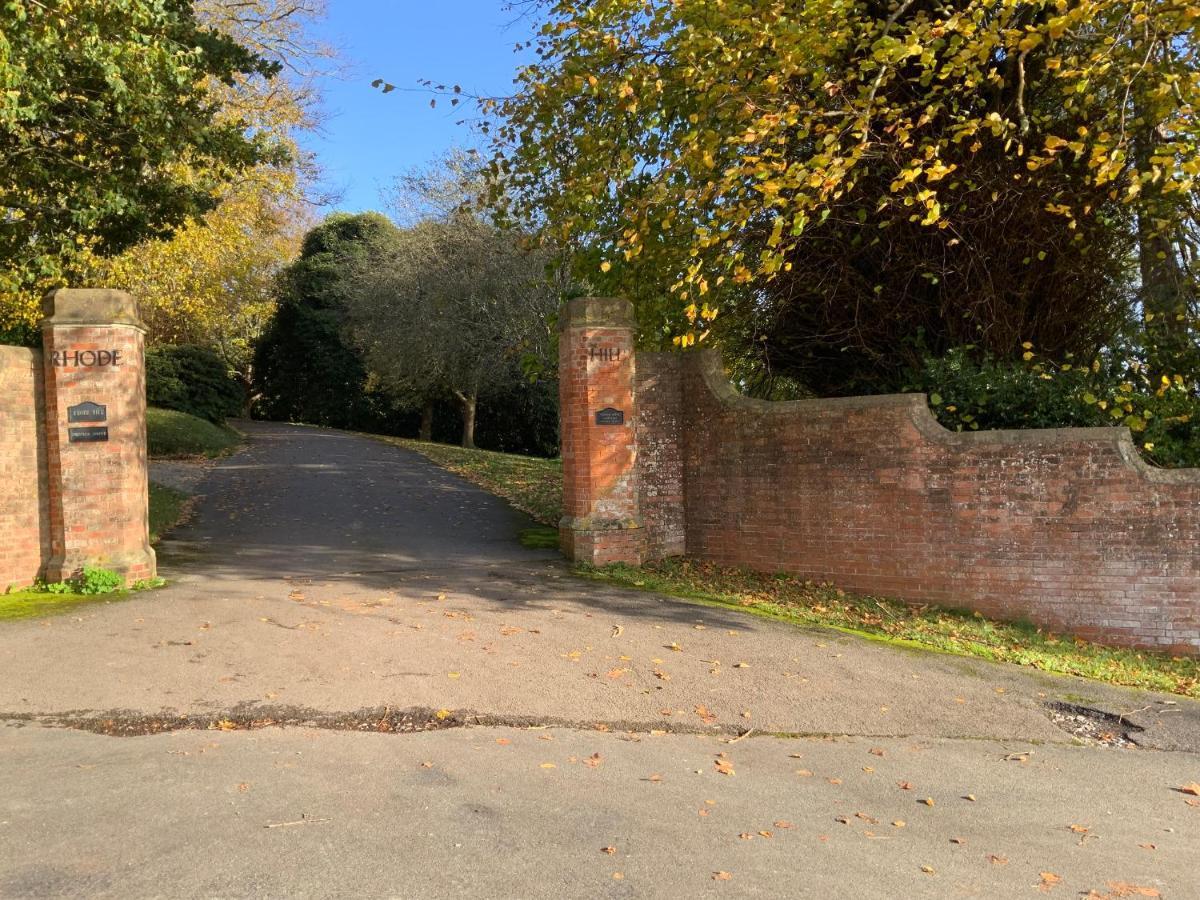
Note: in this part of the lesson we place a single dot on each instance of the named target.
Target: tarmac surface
(359, 684)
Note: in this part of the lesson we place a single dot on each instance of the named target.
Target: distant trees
(463, 308)
(453, 313)
(303, 368)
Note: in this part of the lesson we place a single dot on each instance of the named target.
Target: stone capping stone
(1118, 438)
(597, 312)
(90, 306)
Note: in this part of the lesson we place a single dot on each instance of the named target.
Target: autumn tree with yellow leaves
(841, 189)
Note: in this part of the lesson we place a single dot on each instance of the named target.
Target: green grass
(950, 631)
(175, 434)
(167, 507)
(531, 484)
(33, 604)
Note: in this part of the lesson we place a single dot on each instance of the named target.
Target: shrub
(966, 393)
(193, 380)
(94, 580)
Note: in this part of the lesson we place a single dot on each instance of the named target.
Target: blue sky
(368, 137)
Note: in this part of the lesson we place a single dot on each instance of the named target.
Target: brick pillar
(95, 390)
(601, 521)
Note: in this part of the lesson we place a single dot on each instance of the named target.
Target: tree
(462, 308)
(865, 184)
(304, 371)
(453, 312)
(109, 133)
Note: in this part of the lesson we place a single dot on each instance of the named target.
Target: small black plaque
(88, 435)
(87, 411)
(610, 416)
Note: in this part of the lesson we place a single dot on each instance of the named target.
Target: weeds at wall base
(806, 604)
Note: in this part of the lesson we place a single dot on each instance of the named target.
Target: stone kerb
(601, 520)
(95, 420)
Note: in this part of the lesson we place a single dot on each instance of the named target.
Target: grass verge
(531, 484)
(951, 631)
(174, 434)
(167, 507)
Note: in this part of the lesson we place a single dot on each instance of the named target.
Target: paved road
(520, 721)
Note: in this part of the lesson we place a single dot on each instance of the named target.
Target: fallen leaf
(661, 676)
(957, 841)
(1079, 829)
(655, 778)
(454, 674)
(1193, 789)
(928, 801)
(746, 836)
(783, 823)
(244, 787)
(721, 876)
(970, 797)
(593, 761)
(426, 765)
(503, 742)
(765, 834)
(617, 876)
(741, 665)
(549, 766)
(1125, 889)
(1148, 846)
(675, 647)
(998, 860)
(876, 751)
(724, 766)
(804, 773)
(1049, 880)
(609, 850)
(703, 712)
(899, 823)
(443, 714)
(616, 673)
(617, 630)
(834, 780)
(928, 870)
(904, 785)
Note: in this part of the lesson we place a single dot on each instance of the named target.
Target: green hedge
(192, 380)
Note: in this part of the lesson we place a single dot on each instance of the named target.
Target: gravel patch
(181, 474)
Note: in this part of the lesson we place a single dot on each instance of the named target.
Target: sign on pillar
(93, 352)
(601, 521)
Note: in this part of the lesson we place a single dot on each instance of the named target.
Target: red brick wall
(1067, 528)
(24, 517)
(660, 459)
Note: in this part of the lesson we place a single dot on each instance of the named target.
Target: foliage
(174, 434)
(304, 371)
(966, 394)
(459, 307)
(532, 485)
(193, 380)
(865, 184)
(963, 633)
(109, 134)
(62, 597)
(212, 282)
(97, 580)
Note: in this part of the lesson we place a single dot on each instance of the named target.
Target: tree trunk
(247, 384)
(426, 433)
(467, 402)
